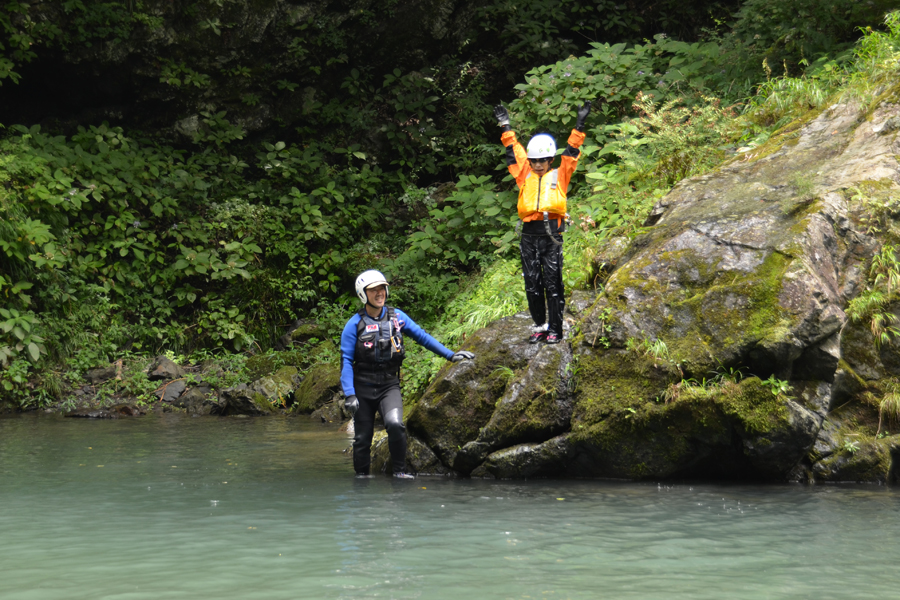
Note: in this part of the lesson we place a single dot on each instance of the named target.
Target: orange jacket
(538, 195)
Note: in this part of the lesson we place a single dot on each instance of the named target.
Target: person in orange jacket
(542, 208)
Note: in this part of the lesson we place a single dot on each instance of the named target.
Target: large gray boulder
(721, 346)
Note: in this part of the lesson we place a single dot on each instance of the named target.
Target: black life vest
(379, 342)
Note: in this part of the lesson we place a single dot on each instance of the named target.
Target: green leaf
(19, 332)
(34, 351)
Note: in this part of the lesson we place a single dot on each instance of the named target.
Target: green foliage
(173, 242)
(692, 389)
(673, 141)
(778, 387)
(19, 336)
(882, 290)
(467, 223)
(500, 293)
(786, 33)
(19, 32)
(881, 209)
(859, 72)
(889, 405)
(612, 76)
(850, 446)
(656, 349)
(114, 242)
(14, 382)
(783, 99)
(723, 373)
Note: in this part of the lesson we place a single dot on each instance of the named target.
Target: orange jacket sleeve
(570, 158)
(516, 157)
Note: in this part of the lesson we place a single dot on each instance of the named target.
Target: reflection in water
(175, 507)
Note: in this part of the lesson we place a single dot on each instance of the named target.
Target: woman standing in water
(371, 354)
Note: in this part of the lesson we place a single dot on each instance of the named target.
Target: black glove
(502, 117)
(352, 405)
(462, 355)
(583, 112)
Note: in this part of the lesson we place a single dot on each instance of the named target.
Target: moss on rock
(318, 386)
(722, 431)
(462, 398)
(865, 461)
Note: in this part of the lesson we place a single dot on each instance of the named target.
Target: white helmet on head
(542, 146)
(368, 279)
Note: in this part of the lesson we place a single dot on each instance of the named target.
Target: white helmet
(368, 279)
(542, 146)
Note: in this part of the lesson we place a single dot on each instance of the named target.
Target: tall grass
(860, 74)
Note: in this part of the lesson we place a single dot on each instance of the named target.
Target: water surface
(169, 506)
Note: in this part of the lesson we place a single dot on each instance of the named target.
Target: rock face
(262, 397)
(720, 347)
(317, 388)
(163, 369)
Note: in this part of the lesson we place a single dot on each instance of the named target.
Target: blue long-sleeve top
(407, 327)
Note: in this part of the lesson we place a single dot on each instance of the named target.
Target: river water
(167, 506)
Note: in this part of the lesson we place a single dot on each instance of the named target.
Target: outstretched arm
(516, 157)
(410, 328)
(571, 154)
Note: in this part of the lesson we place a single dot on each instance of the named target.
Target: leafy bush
(673, 141)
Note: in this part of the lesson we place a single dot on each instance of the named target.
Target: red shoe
(552, 338)
(537, 336)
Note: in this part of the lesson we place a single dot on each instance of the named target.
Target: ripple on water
(268, 508)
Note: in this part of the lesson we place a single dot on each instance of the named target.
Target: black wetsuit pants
(542, 264)
(378, 392)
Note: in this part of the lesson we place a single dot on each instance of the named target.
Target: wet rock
(330, 412)
(301, 332)
(860, 461)
(171, 390)
(535, 406)
(197, 400)
(548, 459)
(744, 271)
(211, 370)
(127, 410)
(609, 255)
(113, 412)
(241, 400)
(92, 413)
(419, 457)
(101, 374)
(773, 453)
(462, 398)
(277, 387)
(163, 369)
(318, 387)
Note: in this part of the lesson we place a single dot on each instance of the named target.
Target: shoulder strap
(391, 318)
(554, 179)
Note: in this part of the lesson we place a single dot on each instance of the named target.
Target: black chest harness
(379, 343)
